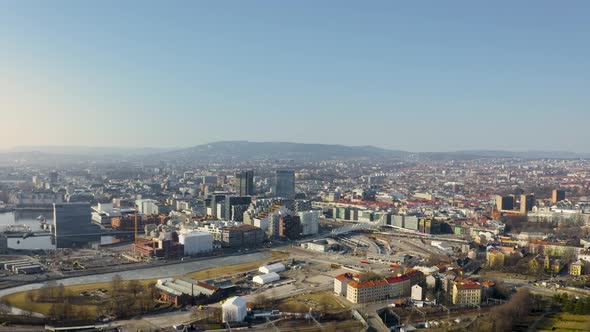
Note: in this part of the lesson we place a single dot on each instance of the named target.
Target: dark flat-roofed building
(71, 218)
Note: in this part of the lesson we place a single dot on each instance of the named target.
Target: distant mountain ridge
(245, 150)
(86, 150)
(248, 151)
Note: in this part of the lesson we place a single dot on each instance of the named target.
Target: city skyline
(279, 165)
(445, 77)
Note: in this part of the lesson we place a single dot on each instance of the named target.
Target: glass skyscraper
(285, 184)
(245, 183)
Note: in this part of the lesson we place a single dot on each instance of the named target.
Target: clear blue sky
(412, 75)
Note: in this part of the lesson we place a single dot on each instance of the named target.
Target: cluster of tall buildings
(280, 218)
(508, 203)
(526, 203)
(284, 184)
(78, 200)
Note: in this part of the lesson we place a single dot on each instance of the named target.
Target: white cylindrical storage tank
(264, 279)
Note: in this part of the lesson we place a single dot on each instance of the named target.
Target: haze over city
(409, 76)
(311, 166)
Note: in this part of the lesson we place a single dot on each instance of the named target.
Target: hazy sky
(412, 75)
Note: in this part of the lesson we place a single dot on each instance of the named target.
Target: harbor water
(32, 220)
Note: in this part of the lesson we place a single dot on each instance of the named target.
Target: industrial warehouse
(21, 266)
(187, 291)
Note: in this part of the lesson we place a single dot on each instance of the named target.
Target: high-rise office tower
(210, 179)
(526, 203)
(53, 177)
(310, 221)
(71, 218)
(245, 183)
(217, 199)
(505, 203)
(290, 227)
(557, 195)
(285, 184)
(235, 206)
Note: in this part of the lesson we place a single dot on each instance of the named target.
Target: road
(22, 328)
(155, 322)
(373, 247)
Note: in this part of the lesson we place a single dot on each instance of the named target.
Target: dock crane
(135, 235)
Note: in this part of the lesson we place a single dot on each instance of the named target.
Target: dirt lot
(82, 259)
(235, 269)
(322, 301)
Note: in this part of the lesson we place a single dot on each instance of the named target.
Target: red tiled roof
(367, 284)
(341, 277)
(488, 283)
(393, 280)
(468, 286)
(538, 242)
(207, 286)
(411, 272)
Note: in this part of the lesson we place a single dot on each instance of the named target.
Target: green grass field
(565, 322)
(29, 300)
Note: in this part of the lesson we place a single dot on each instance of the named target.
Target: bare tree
(116, 284)
(60, 293)
(261, 300)
(83, 313)
(144, 303)
(569, 255)
(122, 304)
(70, 312)
(59, 311)
(30, 297)
(505, 316)
(134, 287)
(46, 293)
(535, 268)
